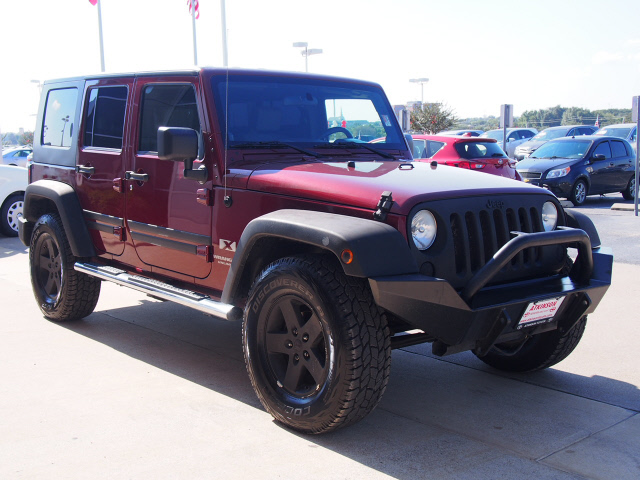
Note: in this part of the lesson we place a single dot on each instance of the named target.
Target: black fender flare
(583, 222)
(378, 249)
(68, 207)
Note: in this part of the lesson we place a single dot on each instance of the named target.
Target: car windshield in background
(621, 132)
(476, 150)
(495, 134)
(560, 149)
(304, 112)
(549, 134)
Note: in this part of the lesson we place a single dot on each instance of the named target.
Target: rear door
(601, 170)
(169, 227)
(100, 164)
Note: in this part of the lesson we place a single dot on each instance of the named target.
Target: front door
(169, 227)
(100, 164)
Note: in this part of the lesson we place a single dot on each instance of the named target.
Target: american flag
(196, 6)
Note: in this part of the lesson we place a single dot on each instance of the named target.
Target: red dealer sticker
(540, 312)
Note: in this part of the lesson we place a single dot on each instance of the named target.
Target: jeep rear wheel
(536, 353)
(61, 292)
(316, 346)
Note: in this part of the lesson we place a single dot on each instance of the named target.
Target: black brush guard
(477, 316)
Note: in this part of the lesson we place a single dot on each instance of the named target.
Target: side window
(104, 117)
(619, 149)
(166, 106)
(573, 132)
(433, 147)
(513, 136)
(634, 136)
(57, 127)
(526, 134)
(603, 149)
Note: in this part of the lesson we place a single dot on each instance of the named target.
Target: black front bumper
(479, 316)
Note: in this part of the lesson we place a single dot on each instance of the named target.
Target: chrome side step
(155, 288)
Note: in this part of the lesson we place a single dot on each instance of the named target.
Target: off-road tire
(11, 211)
(316, 346)
(630, 191)
(61, 292)
(579, 193)
(538, 352)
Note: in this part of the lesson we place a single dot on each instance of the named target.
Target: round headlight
(423, 229)
(549, 216)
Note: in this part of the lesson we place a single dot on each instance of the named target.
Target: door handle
(139, 177)
(86, 169)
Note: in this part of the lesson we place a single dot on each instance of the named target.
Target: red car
(473, 153)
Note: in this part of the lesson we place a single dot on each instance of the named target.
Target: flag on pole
(93, 2)
(597, 124)
(196, 7)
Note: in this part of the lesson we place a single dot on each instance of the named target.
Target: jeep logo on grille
(495, 204)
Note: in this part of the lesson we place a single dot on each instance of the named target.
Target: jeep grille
(472, 230)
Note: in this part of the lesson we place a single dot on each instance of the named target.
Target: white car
(13, 182)
(16, 156)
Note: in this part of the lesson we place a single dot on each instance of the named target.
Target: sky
(476, 54)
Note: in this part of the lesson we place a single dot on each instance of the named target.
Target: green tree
(432, 118)
(26, 138)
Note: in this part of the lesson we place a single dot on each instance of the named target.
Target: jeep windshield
(304, 113)
(562, 149)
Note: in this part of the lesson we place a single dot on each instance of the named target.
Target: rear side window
(166, 106)
(433, 147)
(619, 149)
(603, 149)
(57, 127)
(104, 117)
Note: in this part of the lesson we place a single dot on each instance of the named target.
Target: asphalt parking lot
(146, 389)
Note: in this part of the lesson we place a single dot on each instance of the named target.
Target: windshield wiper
(498, 155)
(276, 144)
(345, 145)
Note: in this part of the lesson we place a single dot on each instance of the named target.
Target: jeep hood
(361, 183)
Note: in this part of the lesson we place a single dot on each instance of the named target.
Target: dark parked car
(576, 167)
(472, 153)
(527, 148)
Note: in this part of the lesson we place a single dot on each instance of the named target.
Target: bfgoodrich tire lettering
(316, 346)
(538, 352)
(61, 292)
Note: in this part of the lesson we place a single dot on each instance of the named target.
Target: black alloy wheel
(317, 348)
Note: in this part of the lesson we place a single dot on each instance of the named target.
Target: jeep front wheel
(61, 292)
(316, 346)
(535, 353)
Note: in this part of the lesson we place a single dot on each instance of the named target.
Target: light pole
(306, 52)
(421, 81)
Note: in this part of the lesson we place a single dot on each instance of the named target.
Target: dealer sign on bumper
(539, 312)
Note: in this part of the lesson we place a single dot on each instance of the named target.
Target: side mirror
(598, 156)
(179, 144)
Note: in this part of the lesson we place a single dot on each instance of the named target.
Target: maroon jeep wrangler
(249, 195)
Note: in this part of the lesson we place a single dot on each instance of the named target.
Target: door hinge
(204, 196)
(119, 233)
(383, 207)
(205, 251)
